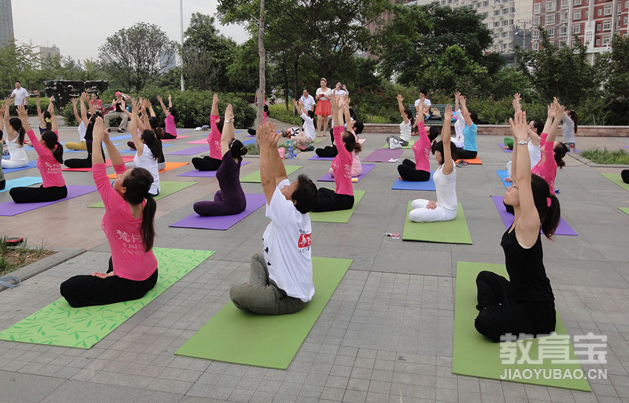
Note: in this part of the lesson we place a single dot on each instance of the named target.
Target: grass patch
(605, 156)
(14, 257)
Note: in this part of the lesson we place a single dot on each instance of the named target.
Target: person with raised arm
(148, 148)
(308, 133)
(120, 106)
(171, 117)
(524, 304)
(15, 140)
(213, 162)
(459, 125)
(535, 129)
(129, 226)
(280, 277)
(405, 127)
(552, 151)
(445, 208)
(89, 128)
(81, 145)
(230, 198)
(469, 150)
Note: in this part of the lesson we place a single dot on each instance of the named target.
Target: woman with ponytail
(342, 198)
(45, 119)
(129, 226)
(50, 154)
(230, 199)
(148, 149)
(15, 140)
(88, 123)
(552, 151)
(213, 162)
(524, 304)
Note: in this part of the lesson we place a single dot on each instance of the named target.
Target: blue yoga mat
(19, 182)
(502, 173)
(31, 164)
(410, 185)
(248, 141)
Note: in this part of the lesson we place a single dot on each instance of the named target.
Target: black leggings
(624, 174)
(328, 200)
(466, 154)
(38, 195)
(3, 183)
(82, 162)
(169, 136)
(219, 206)
(88, 290)
(409, 172)
(206, 163)
(327, 152)
(500, 315)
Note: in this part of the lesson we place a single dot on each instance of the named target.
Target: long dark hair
(560, 152)
(547, 205)
(438, 146)
(150, 139)
(237, 149)
(52, 143)
(16, 124)
(410, 117)
(349, 140)
(137, 184)
(159, 131)
(47, 120)
(173, 111)
(575, 118)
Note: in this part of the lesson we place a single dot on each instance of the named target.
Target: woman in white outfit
(445, 208)
(14, 140)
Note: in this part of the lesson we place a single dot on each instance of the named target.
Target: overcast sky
(79, 27)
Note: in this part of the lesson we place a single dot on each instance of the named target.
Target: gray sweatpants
(261, 295)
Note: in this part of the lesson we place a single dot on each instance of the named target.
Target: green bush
(68, 115)
(32, 106)
(606, 157)
(280, 113)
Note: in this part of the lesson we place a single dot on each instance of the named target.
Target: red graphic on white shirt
(304, 241)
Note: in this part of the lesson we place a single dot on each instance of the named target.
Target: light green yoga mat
(455, 231)
(339, 216)
(261, 340)
(409, 145)
(254, 177)
(475, 355)
(166, 189)
(617, 179)
(624, 209)
(59, 324)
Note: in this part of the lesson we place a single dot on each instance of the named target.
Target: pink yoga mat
(190, 151)
(200, 141)
(178, 137)
(507, 218)
(222, 223)
(366, 168)
(204, 174)
(11, 208)
(383, 155)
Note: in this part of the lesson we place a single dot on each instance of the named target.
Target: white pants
(14, 163)
(160, 165)
(509, 169)
(422, 214)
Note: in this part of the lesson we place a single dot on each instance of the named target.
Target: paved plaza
(386, 333)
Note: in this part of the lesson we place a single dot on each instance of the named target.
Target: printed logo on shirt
(304, 241)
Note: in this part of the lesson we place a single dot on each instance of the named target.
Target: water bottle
(291, 154)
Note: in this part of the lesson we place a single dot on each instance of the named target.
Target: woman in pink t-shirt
(129, 226)
(50, 154)
(213, 162)
(171, 116)
(419, 171)
(343, 197)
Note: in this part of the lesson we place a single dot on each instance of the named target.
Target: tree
(614, 67)
(242, 72)
(136, 55)
(562, 72)
(417, 37)
(207, 55)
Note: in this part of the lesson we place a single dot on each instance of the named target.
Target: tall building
(45, 51)
(6, 23)
(508, 20)
(593, 22)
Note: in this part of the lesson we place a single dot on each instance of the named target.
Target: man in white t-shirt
(20, 95)
(280, 277)
(308, 101)
(427, 102)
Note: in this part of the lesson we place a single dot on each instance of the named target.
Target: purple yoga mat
(383, 155)
(11, 208)
(317, 158)
(507, 218)
(366, 168)
(222, 223)
(204, 174)
(191, 151)
(502, 147)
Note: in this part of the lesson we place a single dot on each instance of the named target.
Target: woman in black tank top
(524, 304)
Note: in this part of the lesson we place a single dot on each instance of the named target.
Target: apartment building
(592, 22)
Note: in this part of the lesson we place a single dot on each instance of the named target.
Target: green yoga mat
(624, 209)
(261, 340)
(475, 355)
(59, 324)
(339, 216)
(409, 145)
(455, 231)
(166, 189)
(254, 177)
(617, 179)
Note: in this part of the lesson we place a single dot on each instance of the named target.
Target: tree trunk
(262, 77)
(296, 72)
(286, 85)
